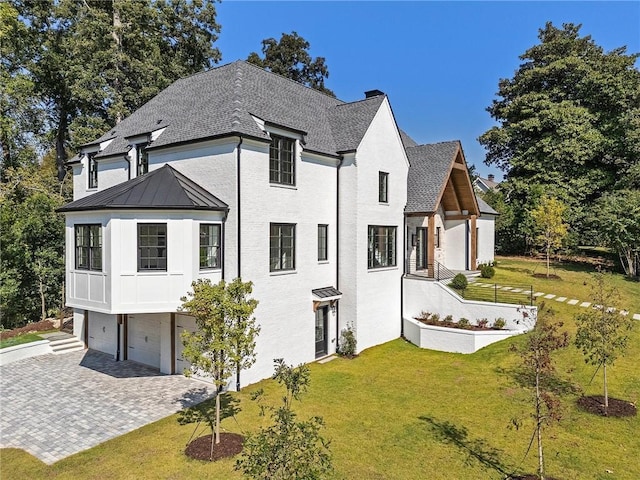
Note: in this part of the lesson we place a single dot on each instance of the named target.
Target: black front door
(421, 249)
(322, 316)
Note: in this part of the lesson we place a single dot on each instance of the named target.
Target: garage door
(144, 339)
(102, 332)
(185, 322)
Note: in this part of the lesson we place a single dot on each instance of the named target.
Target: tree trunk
(61, 135)
(606, 391)
(548, 262)
(217, 417)
(116, 34)
(539, 427)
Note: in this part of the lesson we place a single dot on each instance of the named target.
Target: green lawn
(398, 412)
(20, 339)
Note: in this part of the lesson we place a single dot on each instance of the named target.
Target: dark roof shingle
(428, 173)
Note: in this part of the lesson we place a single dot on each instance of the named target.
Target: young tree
(538, 363)
(567, 121)
(602, 332)
(549, 225)
(289, 449)
(290, 58)
(225, 336)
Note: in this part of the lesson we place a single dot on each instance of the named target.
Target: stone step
(64, 344)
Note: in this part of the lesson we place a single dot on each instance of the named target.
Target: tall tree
(549, 225)
(32, 239)
(225, 337)
(290, 58)
(617, 220)
(92, 62)
(603, 333)
(568, 120)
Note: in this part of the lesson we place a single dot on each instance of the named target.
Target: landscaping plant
(288, 449)
(347, 345)
(603, 332)
(226, 335)
(459, 282)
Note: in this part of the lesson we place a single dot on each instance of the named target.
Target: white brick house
(240, 172)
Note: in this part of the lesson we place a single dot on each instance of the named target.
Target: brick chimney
(491, 177)
(373, 93)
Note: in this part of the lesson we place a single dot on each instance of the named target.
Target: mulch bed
(31, 327)
(617, 408)
(200, 449)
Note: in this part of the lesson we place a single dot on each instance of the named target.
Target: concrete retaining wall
(26, 350)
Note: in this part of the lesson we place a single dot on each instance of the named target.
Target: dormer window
(282, 161)
(142, 159)
(93, 170)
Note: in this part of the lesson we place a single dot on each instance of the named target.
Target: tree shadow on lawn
(205, 412)
(552, 383)
(476, 449)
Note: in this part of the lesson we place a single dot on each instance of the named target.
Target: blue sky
(439, 62)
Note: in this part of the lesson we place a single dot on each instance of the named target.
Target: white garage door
(102, 332)
(143, 339)
(185, 322)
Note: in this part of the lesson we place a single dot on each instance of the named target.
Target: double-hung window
(152, 246)
(282, 161)
(88, 247)
(383, 187)
(282, 244)
(210, 246)
(93, 170)
(142, 159)
(323, 242)
(381, 246)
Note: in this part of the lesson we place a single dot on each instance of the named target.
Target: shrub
(435, 317)
(448, 319)
(499, 323)
(482, 322)
(464, 323)
(487, 270)
(347, 343)
(459, 282)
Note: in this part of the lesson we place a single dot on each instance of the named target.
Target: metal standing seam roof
(428, 173)
(221, 102)
(162, 189)
(326, 292)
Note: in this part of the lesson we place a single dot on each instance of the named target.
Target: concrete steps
(63, 343)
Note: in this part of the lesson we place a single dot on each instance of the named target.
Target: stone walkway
(551, 296)
(53, 406)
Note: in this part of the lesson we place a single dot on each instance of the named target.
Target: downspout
(238, 150)
(338, 248)
(128, 160)
(118, 320)
(404, 272)
(222, 233)
(466, 245)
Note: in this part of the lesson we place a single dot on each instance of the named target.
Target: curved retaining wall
(26, 350)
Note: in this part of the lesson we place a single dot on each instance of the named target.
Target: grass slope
(398, 412)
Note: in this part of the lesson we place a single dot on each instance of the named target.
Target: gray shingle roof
(163, 189)
(485, 207)
(221, 102)
(428, 173)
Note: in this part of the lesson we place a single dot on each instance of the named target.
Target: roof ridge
(362, 100)
(237, 98)
(244, 62)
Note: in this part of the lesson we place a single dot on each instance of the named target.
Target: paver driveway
(56, 405)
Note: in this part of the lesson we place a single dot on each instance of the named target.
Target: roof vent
(373, 93)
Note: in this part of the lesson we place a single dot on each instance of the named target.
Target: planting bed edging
(25, 350)
(453, 340)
